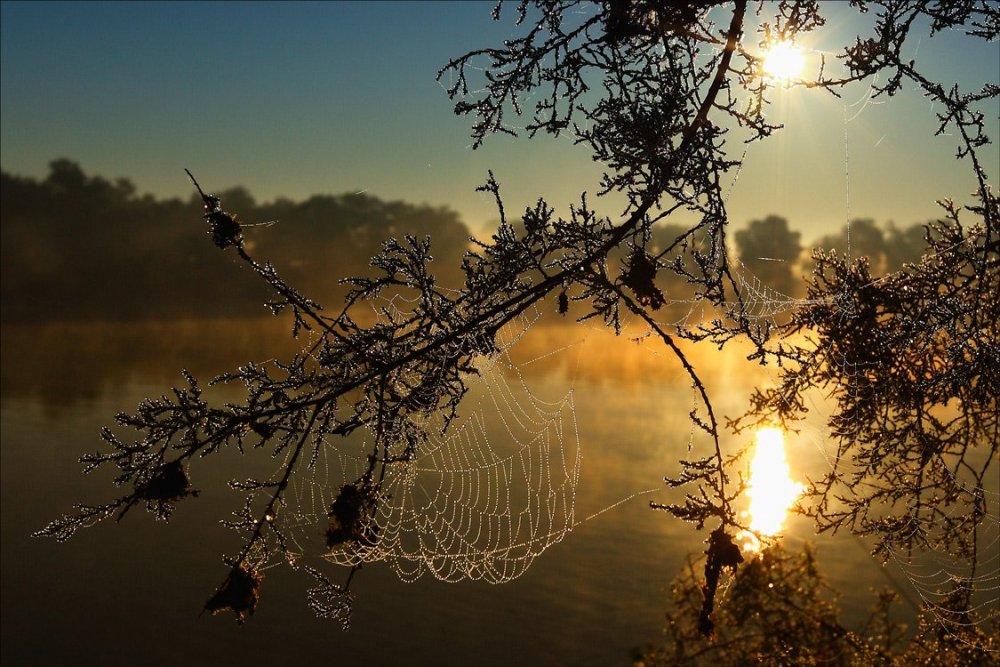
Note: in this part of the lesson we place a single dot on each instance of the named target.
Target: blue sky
(297, 99)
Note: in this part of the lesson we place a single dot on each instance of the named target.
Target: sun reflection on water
(771, 489)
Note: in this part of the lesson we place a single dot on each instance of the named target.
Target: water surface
(131, 593)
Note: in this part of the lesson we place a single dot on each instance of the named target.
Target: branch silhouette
(671, 81)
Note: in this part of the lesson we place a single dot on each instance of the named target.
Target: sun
(783, 62)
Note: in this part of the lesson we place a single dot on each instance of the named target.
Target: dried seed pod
(224, 227)
(170, 483)
(262, 429)
(639, 276)
(239, 593)
(350, 515)
(722, 553)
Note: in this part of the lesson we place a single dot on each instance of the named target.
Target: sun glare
(771, 489)
(784, 62)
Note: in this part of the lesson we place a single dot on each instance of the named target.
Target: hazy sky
(297, 99)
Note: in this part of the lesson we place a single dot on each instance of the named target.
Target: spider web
(485, 499)
(480, 501)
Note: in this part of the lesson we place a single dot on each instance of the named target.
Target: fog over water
(108, 295)
(111, 592)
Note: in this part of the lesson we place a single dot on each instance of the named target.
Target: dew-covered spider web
(484, 499)
(480, 501)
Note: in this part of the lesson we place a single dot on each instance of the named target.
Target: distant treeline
(79, 247)
(773, 253)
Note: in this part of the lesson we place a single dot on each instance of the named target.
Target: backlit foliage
(778, 610)
(651, 88)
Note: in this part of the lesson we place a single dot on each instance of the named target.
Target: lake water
(131, 593)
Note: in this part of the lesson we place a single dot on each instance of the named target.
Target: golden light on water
(783, 62)
(771, 490)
